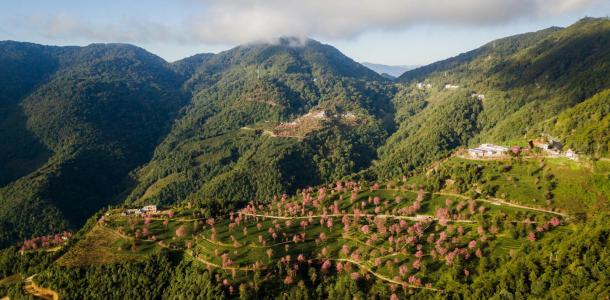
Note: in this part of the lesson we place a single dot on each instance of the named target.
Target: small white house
(349, 115)
(475, 152)
(478, 96)
(319, 114)
(451, 86)
(149, 209)
(570, 154)
(139, 211)
(423, 86)
(132, 211)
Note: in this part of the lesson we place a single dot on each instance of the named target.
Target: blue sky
(381, 31)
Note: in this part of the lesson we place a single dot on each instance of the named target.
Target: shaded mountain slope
(96, 113)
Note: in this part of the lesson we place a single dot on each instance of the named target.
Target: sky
(394, 32)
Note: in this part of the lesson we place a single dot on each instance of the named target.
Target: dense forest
(81, 119)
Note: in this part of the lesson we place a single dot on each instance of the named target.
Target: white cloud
(241, 21)
(236, 21)
(66, 26)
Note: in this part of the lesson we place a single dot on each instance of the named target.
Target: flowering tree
(531, 236)
(181, 231)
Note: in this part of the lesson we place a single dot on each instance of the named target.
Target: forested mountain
(287, 170)
(76, 121)
(502, 92)
(267, 119)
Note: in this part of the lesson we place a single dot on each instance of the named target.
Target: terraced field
(402, 236)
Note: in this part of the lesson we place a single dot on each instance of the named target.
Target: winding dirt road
(39, 292)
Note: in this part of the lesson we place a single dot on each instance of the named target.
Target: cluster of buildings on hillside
(319, 115)
(148, 209)
(425, 86)
(552, 148)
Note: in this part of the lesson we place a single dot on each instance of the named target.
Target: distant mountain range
(393, 71)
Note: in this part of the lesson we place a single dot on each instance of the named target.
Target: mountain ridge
(392, 70)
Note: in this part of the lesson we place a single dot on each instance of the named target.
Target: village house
(320, 114)
(451, 86)
(478, 96)
(551, 147)
(152, 209)
(349, 116)
(487, 150)
(570, 154)
(149, 209)
(423, 86)
(131, 211)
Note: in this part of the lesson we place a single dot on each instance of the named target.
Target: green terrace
(397, 234)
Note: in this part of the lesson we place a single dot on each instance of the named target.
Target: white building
(139, 211)
(423, 86)
(570, 154)
(488, 150)
(451, 86)
(149, 209)
(478, 96)
(132, 211)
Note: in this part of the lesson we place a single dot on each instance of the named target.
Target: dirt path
(500, 202)
(415, 219)
(360, 265)
(501, 158)
(39, 292)
(494, 201)
(211, 264)
(383, 277)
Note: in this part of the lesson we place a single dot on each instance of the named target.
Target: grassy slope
(575, 187)
(245, 249)
(527, 80)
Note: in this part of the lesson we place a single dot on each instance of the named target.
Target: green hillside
(86, 117)
(234, 142)
(510, 87)
(487, 234)
(586, 126)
